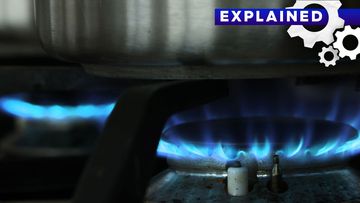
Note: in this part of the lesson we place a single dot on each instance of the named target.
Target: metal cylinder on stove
(237, 179)
(276, 183)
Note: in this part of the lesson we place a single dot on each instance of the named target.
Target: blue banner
(351, 16)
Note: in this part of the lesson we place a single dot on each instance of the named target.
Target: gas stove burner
(55, 124)
(41, 139)
(206, 146)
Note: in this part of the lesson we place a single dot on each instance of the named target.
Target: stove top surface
(330, 185)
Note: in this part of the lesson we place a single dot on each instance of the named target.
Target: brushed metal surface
(147, 38)
(160, 32)
(18, 36)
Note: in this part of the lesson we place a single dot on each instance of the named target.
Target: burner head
(301, 143)
(42, 139)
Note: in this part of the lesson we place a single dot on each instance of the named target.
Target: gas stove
(309, 138)
(107, 101)
(292, 153)
(311, 168)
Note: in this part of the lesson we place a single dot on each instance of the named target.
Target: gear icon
(339, 43)
(326, 34)
(335, 56)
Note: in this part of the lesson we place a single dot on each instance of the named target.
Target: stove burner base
(336, 185)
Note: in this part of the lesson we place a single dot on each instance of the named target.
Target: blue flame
(336, 103)
(297, 149)
(261, 151)
(217, 151)
(223, 152)
(23, 109)
(326, 148)
(350, 146)
(333, 105)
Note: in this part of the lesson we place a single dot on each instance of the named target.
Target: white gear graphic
(331, 62)
(339, 43)
(325, 35)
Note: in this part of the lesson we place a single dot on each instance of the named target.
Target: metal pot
(18, 37)
(165, 38)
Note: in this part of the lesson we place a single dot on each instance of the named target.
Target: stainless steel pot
(163, 38)
(18, 35)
